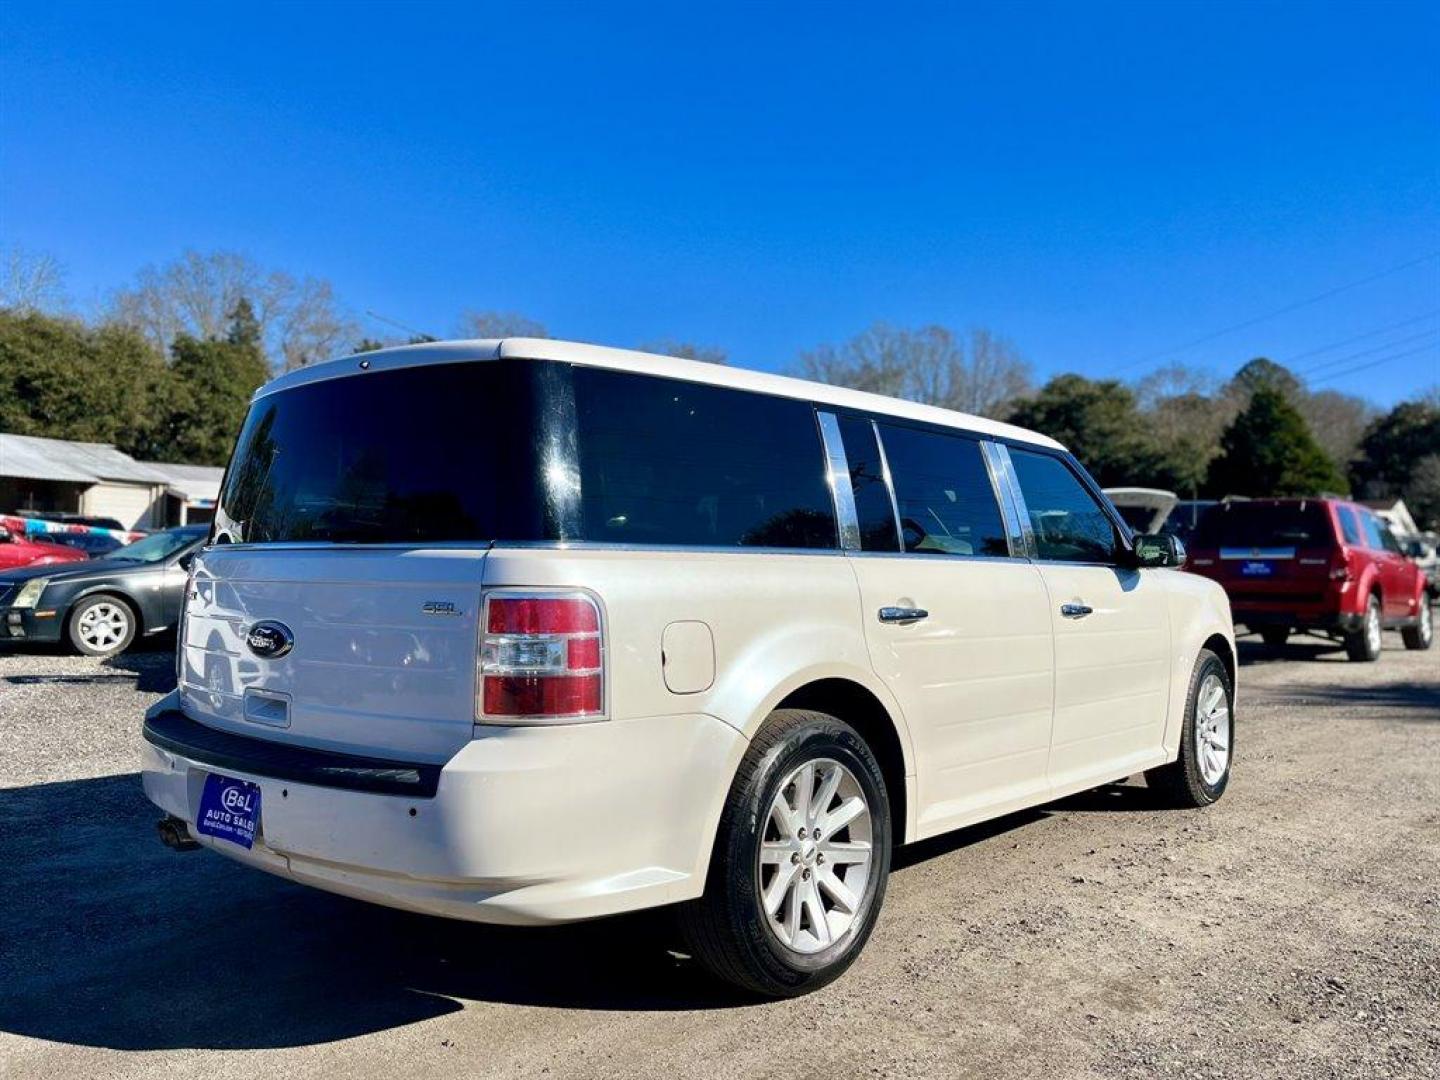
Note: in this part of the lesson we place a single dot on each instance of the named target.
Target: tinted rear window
(1253, 525)
(670, 462)
(432, 454)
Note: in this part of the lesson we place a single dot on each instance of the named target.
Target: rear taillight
(542, 659)
(1340, 567)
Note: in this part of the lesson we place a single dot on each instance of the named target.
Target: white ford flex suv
(524, 631)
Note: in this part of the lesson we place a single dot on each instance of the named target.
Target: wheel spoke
(819, 925)
(792, 913)
(845, 852)
(829, 784)
(804, 791)
(776, 851)
(838, 890)
(844, 814)
(783, 817)
(784, 882)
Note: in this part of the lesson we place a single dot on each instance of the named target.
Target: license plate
(1257, 569)
(229, 810)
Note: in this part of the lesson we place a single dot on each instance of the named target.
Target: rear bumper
(1342, 622)
(526, 825)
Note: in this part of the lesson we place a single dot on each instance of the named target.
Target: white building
(39, 476)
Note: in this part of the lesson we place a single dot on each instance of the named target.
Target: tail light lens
(541, 659)
(1340, 568)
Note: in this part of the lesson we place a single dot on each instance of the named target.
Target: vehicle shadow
(151, 665)
(109, 939)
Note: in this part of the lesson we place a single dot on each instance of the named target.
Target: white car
(525, 631)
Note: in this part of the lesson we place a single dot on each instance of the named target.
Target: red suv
(1320, 566)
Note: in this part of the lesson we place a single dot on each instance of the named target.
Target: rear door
(1397, 582)
(955, 624)
(1111, 624)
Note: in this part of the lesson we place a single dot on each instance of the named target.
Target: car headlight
(30, 592)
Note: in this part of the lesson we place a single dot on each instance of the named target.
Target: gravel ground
(1292, 930)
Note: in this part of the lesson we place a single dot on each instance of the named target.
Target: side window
(867, 481)
(1374, 532)
(1349, 527)
(947, 504)
(1068, 523)
(669, 462)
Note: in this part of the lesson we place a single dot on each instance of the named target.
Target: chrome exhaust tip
(175, 834)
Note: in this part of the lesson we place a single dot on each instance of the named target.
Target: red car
(1319, 566)
(15, 551)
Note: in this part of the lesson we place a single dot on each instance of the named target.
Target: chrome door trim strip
(1005, 497)
(847, 520)
(1005, 470)
(889, 485)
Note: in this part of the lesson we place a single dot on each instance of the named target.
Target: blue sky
(1103, 184)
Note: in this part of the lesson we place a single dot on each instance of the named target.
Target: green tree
(1269, 450)
(1100, 424)
(60, 379)
(211, 384)
(1394, 459)
(1261, 373)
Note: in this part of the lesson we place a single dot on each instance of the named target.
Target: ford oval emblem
(269, 639)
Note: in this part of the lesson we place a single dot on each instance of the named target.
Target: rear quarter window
(669, 462)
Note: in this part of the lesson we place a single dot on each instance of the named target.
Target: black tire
(1181, 783)
(1420, 636)
(83, 640)
(1364, 644)
(727, 929)
(1275, 637)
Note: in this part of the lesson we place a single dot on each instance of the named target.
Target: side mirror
(1159, 549)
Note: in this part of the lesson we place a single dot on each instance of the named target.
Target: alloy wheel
(104, 625)
(1212, 729)
(815, 857)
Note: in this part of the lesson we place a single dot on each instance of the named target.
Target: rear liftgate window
(670, 462)
(431, 454)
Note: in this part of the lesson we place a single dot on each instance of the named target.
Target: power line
(1276, 313)
(1366, 352)
(1375, 363)
(1360, 337)
(399, 325)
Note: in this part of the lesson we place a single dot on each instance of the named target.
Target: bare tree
(685, 350)
(1174, 381)
(930, 365)
(30, 281)
(300, 320)
(500, 324)
(1338, 422)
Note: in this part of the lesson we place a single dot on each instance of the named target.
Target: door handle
(903, 614)
(1075, 611)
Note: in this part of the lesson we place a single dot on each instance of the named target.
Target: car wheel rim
(815, 857)
(103, 626)
(1212, 729)
(1372, 627)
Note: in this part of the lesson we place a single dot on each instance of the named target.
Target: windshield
(157, 547)
(1258, 525)
(431, 454)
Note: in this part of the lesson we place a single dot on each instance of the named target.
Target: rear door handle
(903, 614)
(1075, 611)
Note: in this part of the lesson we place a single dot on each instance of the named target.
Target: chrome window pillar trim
(1011, 498)
(889, 484)
(847, 520)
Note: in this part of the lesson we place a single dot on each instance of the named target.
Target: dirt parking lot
(1293, 930)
